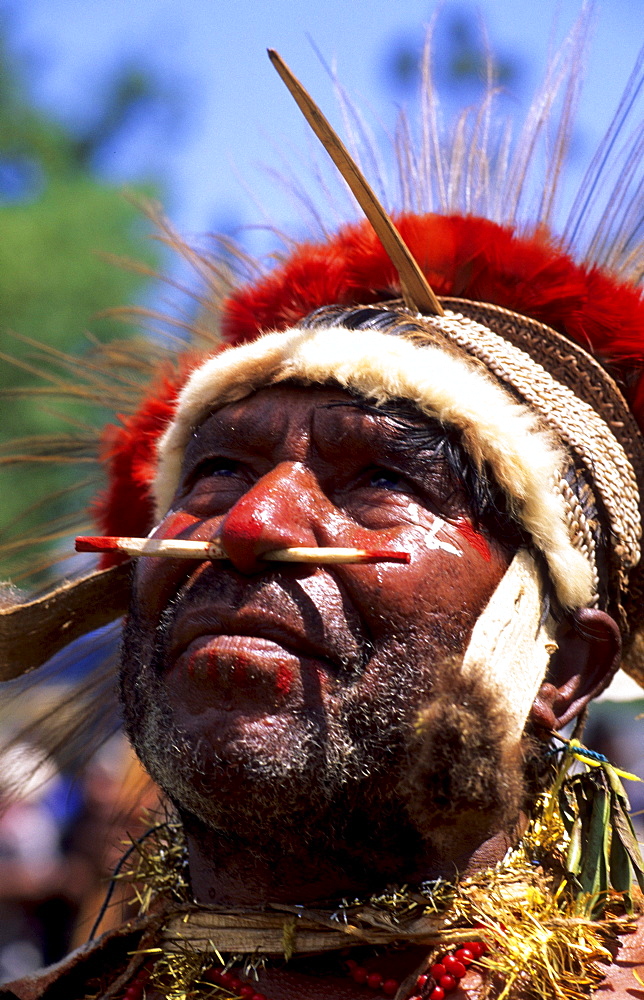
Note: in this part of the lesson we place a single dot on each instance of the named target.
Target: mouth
(252, 673)
(253, 639)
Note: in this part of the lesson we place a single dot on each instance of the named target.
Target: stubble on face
(395, 773)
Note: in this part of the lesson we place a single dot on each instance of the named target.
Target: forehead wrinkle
(398, 427)
(379, 426)
(240, 423)
(222, 432)
(244, 426)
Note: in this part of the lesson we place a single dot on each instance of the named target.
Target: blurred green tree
(55, 214)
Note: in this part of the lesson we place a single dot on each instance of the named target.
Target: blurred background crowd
(178, 102)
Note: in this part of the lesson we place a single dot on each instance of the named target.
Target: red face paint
(192, 664)
(473, 538)
(98, 543)
(241, 533)
(176, 524)
(240, 667)
(284, 679)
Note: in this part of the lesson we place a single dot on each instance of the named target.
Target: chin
(244, 773)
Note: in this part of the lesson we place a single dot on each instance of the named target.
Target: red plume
(128, 450)
(466, 257)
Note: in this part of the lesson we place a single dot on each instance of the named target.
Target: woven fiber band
(575, 422)
(572, 366)
(568, 363)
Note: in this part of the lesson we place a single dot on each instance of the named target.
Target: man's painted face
(251, 685)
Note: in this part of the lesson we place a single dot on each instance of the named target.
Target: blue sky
(236, 113)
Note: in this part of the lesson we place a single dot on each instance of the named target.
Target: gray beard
(253, 793)
(365, 777)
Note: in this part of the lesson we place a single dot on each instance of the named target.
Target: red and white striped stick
(178, 549)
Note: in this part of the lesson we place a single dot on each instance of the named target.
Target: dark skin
(253, 649)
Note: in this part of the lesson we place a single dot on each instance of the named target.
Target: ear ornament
(592, 758)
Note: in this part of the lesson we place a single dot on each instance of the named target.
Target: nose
(281, 509)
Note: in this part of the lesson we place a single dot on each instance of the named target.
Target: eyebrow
(226, 434)
(421, 432)
(486, 501)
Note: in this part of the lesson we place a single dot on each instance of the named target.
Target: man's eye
(214, 467)
(386, 479)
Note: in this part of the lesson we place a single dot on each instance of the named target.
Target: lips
(197, 623)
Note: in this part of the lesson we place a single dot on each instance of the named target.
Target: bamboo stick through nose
(176, 548)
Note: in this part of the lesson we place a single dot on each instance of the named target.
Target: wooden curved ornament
(31, 632)
(417, 294)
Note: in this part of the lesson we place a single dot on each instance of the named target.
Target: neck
(240, 874)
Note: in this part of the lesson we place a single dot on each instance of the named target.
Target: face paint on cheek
(284, 679)
(433, 542)
(473, 538)
(175, 524)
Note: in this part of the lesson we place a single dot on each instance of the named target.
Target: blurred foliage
(56, 216)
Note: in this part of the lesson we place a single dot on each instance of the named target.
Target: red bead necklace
(447, 973)
(136, 988)
(440, 979)
(231, 982)
(373, 980)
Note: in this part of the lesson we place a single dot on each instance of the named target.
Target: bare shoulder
(625, 978)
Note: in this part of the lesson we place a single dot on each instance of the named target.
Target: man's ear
(589, 652)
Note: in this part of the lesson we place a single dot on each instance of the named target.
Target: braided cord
(577, 424)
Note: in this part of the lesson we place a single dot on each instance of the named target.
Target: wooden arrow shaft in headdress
(415, 287)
